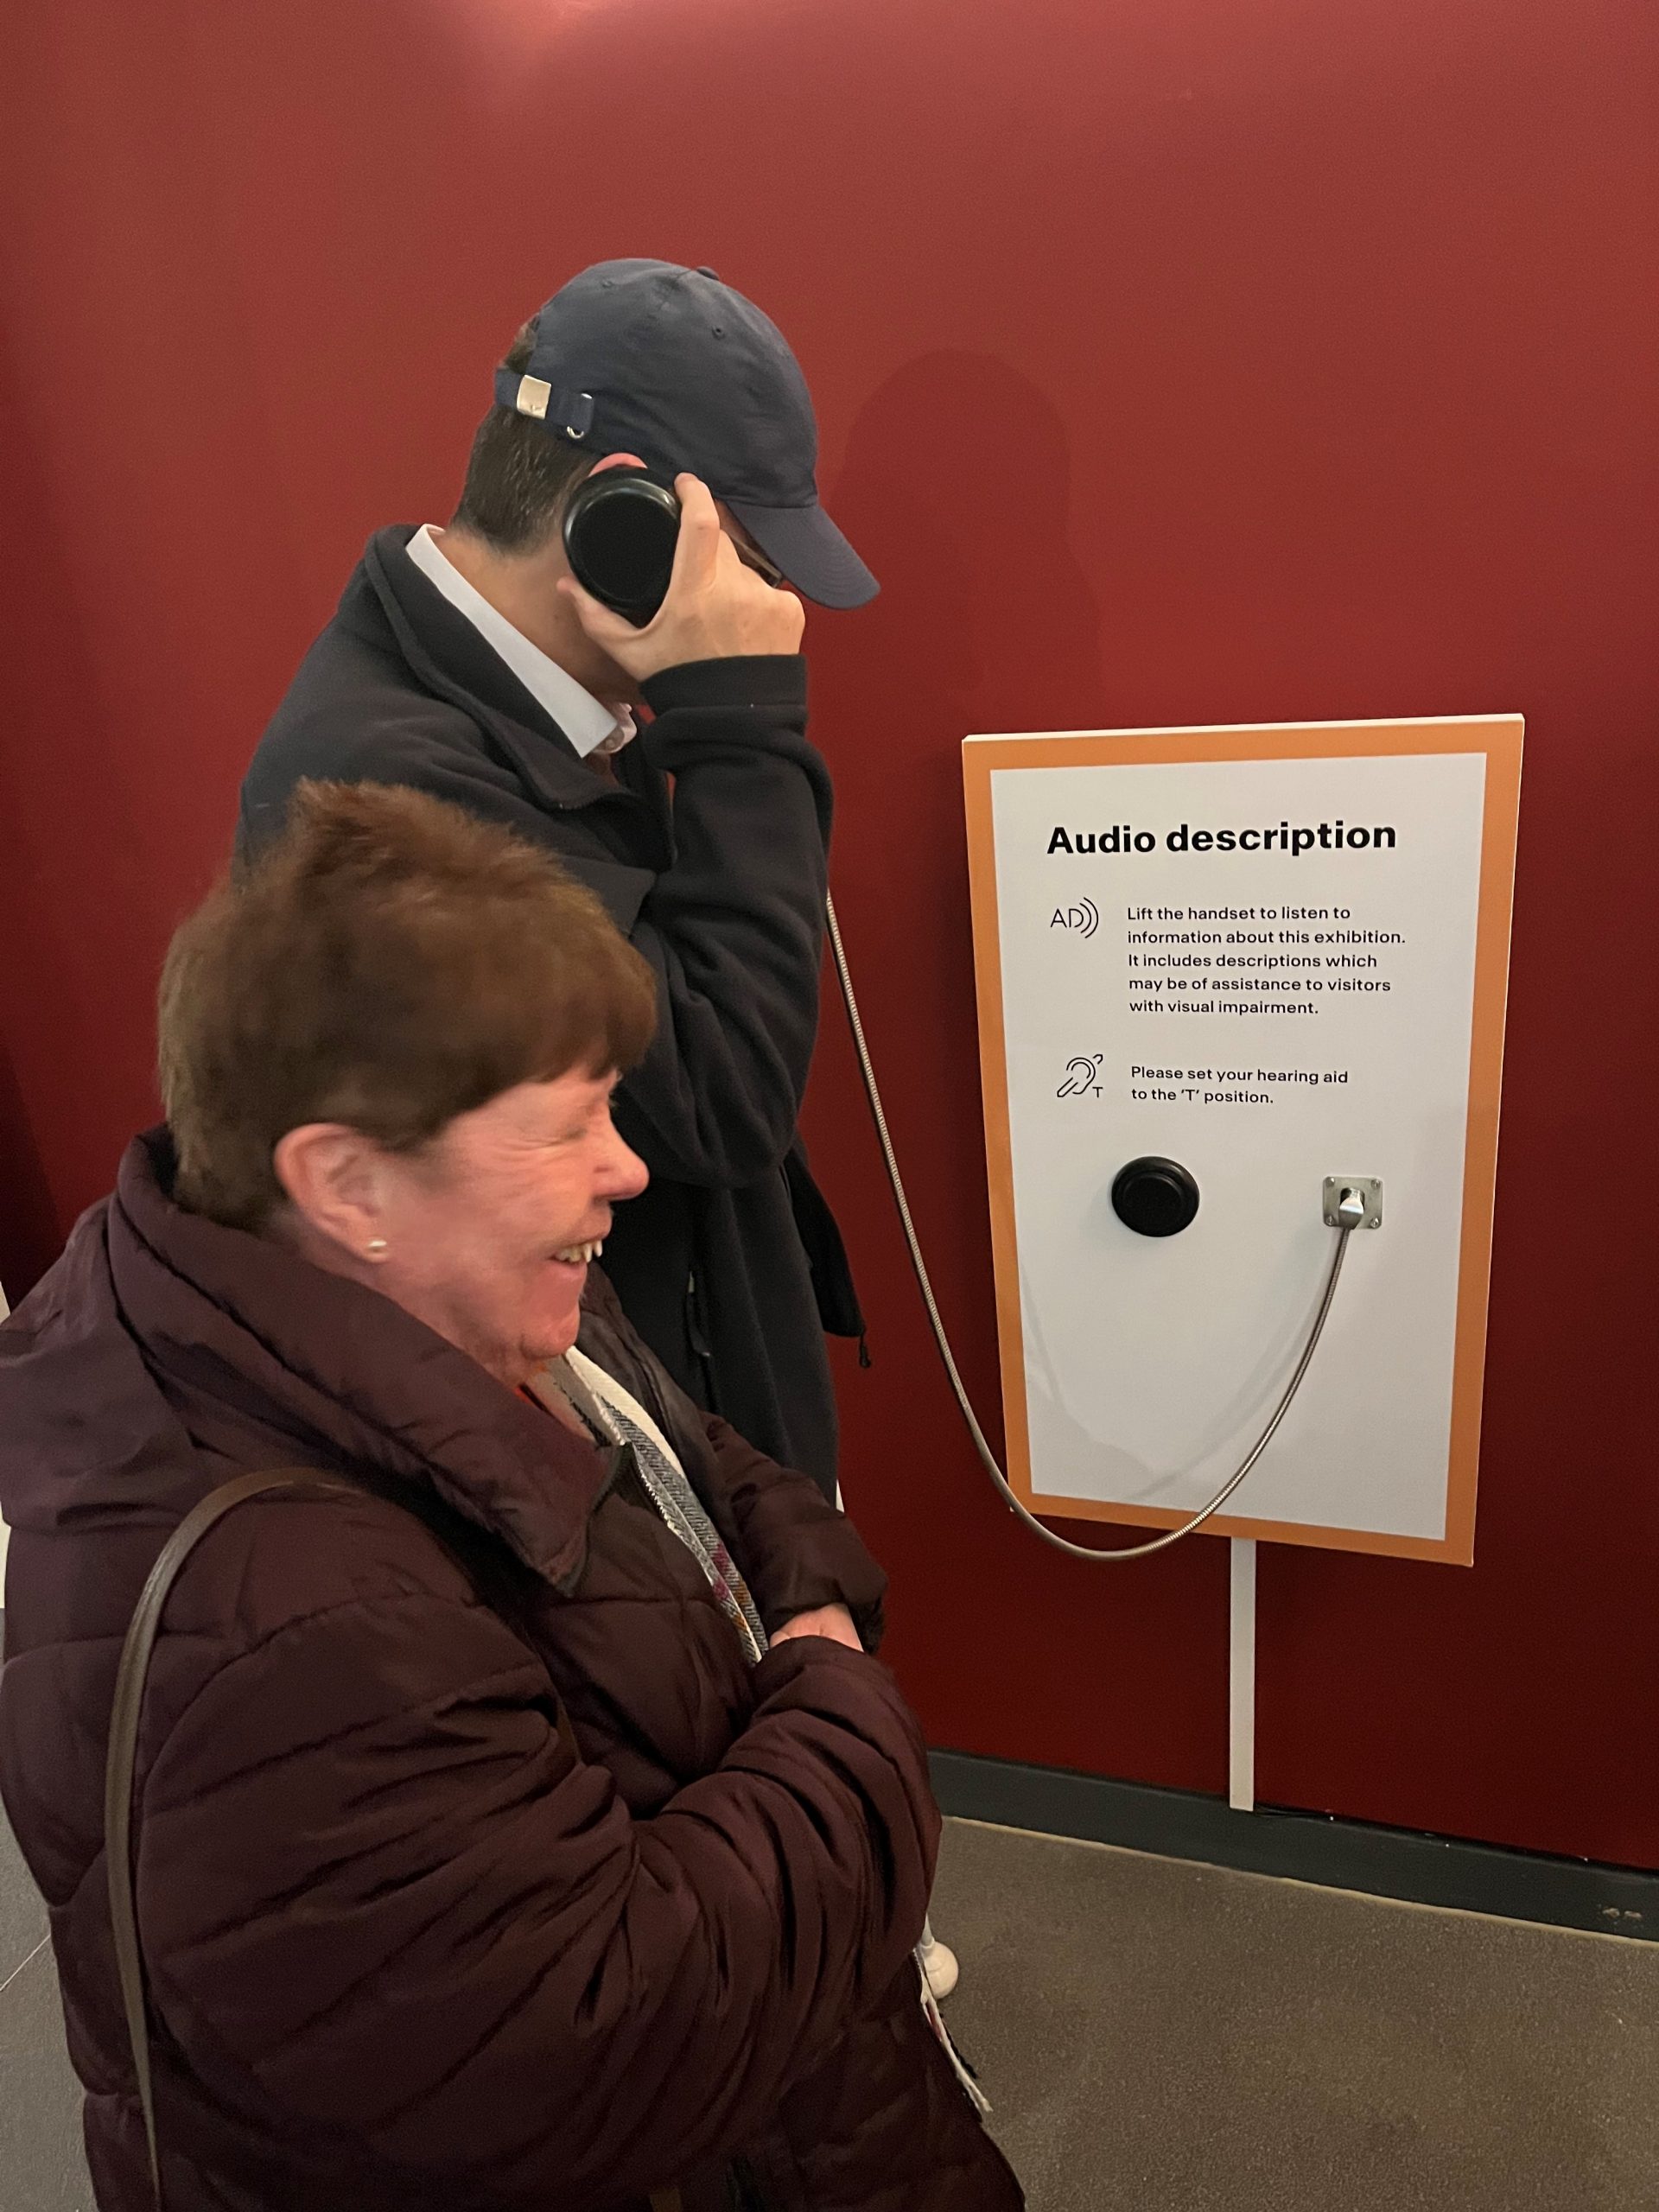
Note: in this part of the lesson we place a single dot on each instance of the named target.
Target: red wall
(1225, 360)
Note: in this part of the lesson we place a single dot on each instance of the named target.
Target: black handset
(621, 529)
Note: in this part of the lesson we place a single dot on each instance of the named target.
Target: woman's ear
(333, 1177)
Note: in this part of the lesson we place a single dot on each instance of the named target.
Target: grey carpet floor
(1175, 2038)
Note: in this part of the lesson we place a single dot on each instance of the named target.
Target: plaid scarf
(604, 1404)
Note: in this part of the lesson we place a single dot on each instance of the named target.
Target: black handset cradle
(1154, 1197)
(621, 529)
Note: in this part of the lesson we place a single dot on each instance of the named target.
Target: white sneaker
(939, 1964)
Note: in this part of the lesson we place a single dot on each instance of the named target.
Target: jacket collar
(345, 1373)
(448, 657)
(590, 726)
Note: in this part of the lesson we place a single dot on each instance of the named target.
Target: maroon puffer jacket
(406, 1955)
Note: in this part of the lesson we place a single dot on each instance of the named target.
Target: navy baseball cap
(644, 357)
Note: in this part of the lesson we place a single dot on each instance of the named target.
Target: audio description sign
(1270, 955)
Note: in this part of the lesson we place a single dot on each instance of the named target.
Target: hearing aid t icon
(1082, 1076)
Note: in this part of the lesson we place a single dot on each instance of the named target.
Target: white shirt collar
(591, 725)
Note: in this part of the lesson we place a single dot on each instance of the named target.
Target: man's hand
(716, 607)
(833, 1621)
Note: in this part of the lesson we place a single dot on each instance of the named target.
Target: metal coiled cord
(1351, 1213)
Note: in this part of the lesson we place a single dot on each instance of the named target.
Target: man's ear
(333, 1176)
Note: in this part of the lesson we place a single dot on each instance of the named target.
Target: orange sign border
(1499, 738)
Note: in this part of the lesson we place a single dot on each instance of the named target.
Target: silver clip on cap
(533, 396)
(571, 412)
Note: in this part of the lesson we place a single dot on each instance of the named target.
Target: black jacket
(729, 1265)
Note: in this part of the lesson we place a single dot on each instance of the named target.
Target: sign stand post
(1240, 1677)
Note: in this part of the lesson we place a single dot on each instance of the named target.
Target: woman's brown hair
(389, 961)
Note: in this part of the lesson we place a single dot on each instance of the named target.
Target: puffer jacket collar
(224, 1320)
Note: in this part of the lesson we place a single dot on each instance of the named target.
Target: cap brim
(811, 552)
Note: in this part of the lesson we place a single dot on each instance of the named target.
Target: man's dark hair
(519, 475)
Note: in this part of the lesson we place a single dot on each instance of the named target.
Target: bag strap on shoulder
(121, 1760)
(123, 1753)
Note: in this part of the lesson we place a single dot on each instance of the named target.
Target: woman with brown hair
(520, 1821)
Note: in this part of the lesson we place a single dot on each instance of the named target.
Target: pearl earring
(375, 1247)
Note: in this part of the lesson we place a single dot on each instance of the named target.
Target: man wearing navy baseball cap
(468, 661)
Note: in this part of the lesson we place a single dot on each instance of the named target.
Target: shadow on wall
(956, 488)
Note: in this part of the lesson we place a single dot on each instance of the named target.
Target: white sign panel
(1270, 955)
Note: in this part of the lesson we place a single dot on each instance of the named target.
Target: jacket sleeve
(397, 1902)
(735, 927)
(798, 1550)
